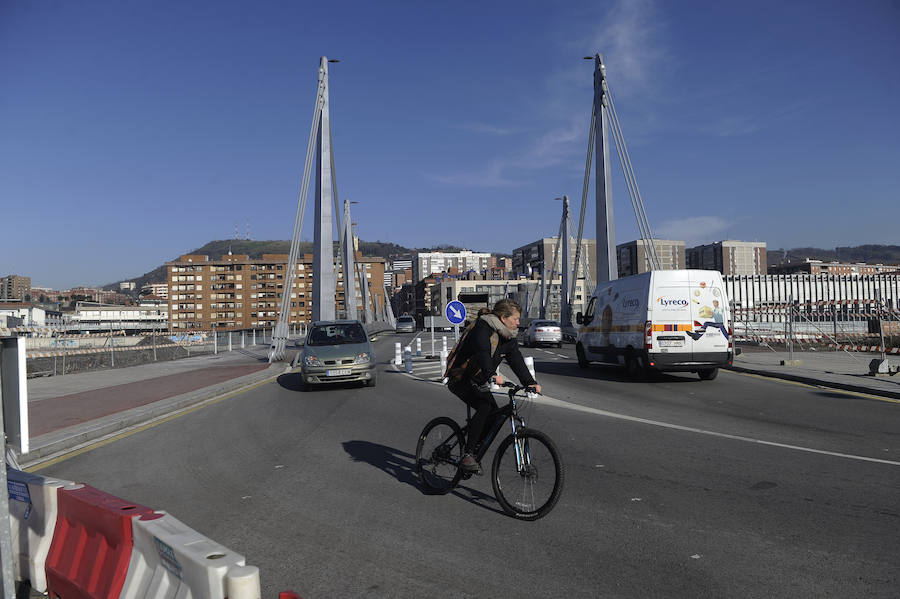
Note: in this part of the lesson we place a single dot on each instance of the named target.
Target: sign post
(456, 313)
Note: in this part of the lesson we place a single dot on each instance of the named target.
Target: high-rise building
(15, 287)
(632, 257)
(531, 258)
(157, 289)
(730, 257)
(426, 264)
(236, 292)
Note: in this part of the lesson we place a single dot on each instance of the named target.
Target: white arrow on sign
(456, 313)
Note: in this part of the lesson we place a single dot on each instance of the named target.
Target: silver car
(406, 324)
(337, 351)
(540, 332)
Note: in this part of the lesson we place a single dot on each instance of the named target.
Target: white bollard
(242, 582)
(229, 340)
(529, 363)
(397, 358)
(444, 344)
(243, 341)
(407, 359)
(443, 364)
(418, 346)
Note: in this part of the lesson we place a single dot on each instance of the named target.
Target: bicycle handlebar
(514, 388)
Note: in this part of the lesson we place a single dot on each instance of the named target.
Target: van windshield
(337, 334)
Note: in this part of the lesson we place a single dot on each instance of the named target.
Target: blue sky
(134, 131)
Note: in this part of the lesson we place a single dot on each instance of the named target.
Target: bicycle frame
(497, 420)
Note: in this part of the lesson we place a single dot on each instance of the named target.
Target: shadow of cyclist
(402, 466)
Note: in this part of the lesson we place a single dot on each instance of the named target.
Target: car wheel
(559, 344)
(708, 374)
(370, 382)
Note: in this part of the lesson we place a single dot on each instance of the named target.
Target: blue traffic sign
(456, 312)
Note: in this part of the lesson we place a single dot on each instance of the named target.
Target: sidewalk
(71, 410)
(835, 369)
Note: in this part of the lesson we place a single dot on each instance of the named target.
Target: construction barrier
(32, 510)
(174, 561)
(92, 544)
(865, 348)
(76, 542)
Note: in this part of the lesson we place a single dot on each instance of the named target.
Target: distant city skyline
(133, 132)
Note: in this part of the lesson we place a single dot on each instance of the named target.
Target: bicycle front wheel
(527, 474)
(438, 455)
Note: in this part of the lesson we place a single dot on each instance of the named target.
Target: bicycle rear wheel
(527, 486)
(438, 455)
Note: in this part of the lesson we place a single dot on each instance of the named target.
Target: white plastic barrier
(443, 364)
(171, 560)
(32, 514)
(397, 358)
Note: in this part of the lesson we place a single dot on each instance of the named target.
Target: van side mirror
(578, 318)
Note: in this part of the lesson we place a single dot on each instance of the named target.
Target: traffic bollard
(444, 344)
(243, 341)
(229, 340)
(529, 363)
(397, 358)
(407, 359)
(443, 364)
(418, 346)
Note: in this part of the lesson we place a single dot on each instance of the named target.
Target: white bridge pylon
(324, 275)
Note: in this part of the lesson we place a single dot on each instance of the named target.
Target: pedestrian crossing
(430, 369)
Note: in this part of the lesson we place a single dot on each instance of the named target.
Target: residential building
(632, 257)
(157, 289)
(126, 286)
(15, 287)
(147, 316)
(730, 257)
(530, 259)
(429, 263)
(237, 292)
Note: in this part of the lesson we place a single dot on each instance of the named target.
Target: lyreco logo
(673, 303)
(630, 304)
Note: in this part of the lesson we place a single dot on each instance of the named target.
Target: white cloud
(492, 176)
(489, 129)
(695, 230)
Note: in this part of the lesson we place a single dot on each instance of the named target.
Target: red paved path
(59, 412)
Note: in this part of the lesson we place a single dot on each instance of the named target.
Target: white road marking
(551, 401)
(564, 404)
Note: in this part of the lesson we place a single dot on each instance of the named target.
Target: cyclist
(491, 338)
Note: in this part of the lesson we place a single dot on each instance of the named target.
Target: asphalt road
(737, 487)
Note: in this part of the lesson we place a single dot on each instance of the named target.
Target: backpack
(457, 368)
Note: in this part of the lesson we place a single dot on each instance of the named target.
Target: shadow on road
(402, 466)
(603, 372)
(292, 381)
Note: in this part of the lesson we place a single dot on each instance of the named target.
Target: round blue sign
(456, 312)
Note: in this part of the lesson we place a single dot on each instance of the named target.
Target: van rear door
(671, 315)
(709, 313)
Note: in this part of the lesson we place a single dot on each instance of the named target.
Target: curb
(808, 380)
(75, 437)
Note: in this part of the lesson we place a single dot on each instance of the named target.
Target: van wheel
(582, 360)
(634, 368)
(708, 374)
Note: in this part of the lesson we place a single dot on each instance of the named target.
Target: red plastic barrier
(288, 595)
(92, 544)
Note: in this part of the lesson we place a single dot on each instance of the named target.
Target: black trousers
(482, 403)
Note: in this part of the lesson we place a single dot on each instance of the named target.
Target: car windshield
(546, 323)
(405, 319)
(337, 334)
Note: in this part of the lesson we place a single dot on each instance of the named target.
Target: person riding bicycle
(491, 338)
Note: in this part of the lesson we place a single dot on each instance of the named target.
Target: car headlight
(311, 360)
(363, 358)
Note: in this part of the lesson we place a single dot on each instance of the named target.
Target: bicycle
(520, 469)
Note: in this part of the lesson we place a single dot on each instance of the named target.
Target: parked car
(542, 331)
(406, 324)
(337, 351)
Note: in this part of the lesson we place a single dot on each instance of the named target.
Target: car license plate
(339, 372)
(671, 342)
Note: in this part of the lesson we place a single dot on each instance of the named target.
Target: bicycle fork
(523, 459)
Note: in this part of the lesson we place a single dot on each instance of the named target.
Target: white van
(667, 320)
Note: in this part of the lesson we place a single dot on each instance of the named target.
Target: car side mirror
(578, 318)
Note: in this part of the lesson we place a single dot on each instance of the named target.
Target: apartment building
(237, 292)
(15, 287)
(426, 264)
(157, 289)
(632, 257)
(531, 258)
(730, 257)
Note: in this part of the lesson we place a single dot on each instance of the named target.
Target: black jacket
(477, 344)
